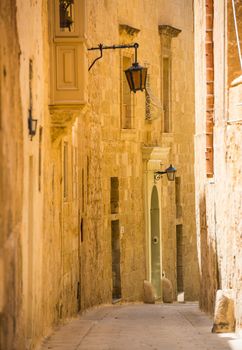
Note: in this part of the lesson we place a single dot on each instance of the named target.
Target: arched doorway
(155, 242)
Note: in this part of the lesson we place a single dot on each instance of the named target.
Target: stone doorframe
(153, 157)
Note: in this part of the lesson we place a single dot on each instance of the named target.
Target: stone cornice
(128, 29)
(237, 81)
(155, 153)
(62, 118)
(170, 31)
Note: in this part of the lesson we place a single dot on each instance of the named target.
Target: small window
(83, 190)
(65, 170)
(166, 82)
(178, 197)
(114, 195)
(126, 98)
(40, 157)
(75, 172)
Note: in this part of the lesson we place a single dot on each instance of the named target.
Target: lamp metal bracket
(102, 47)
(158, 174)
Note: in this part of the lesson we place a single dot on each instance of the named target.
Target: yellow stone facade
(218, 198)
(88, 222)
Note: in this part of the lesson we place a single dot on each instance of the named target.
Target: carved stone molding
(63, 117)
(125, 28)
(235, 101)
(237, 81)
(170, 31)
(155, 153)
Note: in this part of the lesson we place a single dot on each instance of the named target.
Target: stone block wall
(182, 153)
(121, 148)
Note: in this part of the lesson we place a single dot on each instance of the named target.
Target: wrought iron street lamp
(32, 125)
(136, 74)
(170, 172)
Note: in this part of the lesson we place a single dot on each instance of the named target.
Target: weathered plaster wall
(32, 97)
(11, 181)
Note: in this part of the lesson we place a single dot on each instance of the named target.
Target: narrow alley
(120, 174)
(140, 327)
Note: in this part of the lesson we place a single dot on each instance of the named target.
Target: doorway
(155, 242)
(179, 263)
(116, 294)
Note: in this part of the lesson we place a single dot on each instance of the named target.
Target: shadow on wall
(209, 272)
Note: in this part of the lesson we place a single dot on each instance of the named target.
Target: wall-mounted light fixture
(136, 74)
(32, 125)
(170, 172)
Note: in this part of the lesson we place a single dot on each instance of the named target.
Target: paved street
(140, 327)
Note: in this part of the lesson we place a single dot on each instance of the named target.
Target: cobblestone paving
(141, 327)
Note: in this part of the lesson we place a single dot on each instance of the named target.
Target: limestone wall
(70, 231)
(32, 102)
(181, 146)
(218, 199)
(11, 181)
(119, 156)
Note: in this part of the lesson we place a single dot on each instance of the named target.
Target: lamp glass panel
(144, 76)
(34, 126)
(171, 175)
(137, 76)
(128, 76)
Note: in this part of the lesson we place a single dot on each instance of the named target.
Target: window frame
(128, 55)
